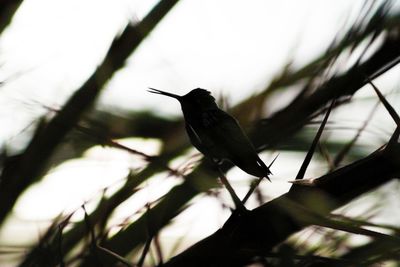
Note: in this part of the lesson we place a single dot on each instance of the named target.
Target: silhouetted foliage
(265, 235)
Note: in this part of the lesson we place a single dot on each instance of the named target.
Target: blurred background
(86, 151)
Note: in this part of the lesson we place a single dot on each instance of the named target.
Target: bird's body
(217, 134)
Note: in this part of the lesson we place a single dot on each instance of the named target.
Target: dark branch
(270, 224)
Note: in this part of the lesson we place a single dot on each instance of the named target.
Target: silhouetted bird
(217, 134)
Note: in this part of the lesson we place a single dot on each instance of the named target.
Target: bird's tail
(267, 172)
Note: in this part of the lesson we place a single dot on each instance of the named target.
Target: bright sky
(230, 47)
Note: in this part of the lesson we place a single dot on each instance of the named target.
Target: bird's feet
(239, 205)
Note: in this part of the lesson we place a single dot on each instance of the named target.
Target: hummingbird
(217, 134)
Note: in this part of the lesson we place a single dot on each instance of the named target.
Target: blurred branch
(374, 252)
(288, 120)
(106, 141)
(201, 179)
(104, 126)
(150, 235)
(133, 124)
(53, 235)
(380, 22)
(33, 161)
(94, 247)
(101, 214)
(7, 11)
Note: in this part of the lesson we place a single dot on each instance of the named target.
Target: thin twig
(103, 140)
(307, 159)
(325, 153)
(116, 256)
(255, 183)
(340, 156)
(60, 252)
(387, 105)
(158, 250)
(394, 139)
(108, 141)
(148, 241)
(95, 246)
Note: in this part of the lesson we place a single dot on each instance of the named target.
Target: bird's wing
(194, 137)
(205, 136)
(232, 142)
(212, 118)
(226, 131)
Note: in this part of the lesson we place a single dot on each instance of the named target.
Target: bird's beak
(156, 91)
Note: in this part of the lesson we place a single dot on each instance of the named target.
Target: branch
(7, 11)
(269, 133)
(271, 224)
(33, 162)
(297, 113)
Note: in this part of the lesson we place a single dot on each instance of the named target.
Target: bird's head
(199, 97)
(196, 99)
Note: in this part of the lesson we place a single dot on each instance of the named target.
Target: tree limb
(270, 224)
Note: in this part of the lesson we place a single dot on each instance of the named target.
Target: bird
(217, 134)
